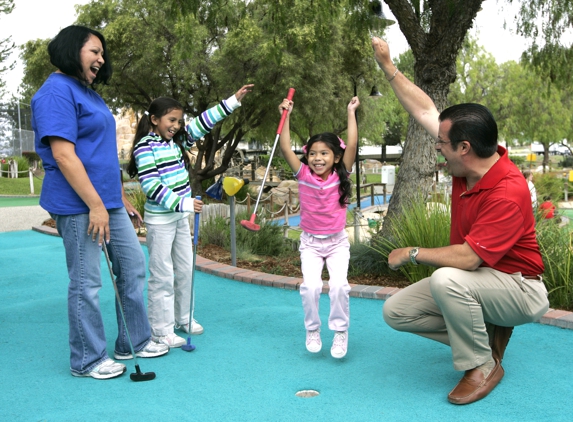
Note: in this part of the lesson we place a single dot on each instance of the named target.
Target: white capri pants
(314, 251)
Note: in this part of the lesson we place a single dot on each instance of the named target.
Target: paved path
(22, 218)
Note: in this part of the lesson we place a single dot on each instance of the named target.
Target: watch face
(413, 254)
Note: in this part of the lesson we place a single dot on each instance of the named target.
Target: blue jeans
(84, 258)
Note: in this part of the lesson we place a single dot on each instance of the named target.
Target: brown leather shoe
(498, 339)
(473, 386)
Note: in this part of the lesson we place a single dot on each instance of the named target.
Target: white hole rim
(305, 394)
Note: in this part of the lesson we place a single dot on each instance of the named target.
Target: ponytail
(143, 129)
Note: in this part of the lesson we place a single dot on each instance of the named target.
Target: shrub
(548, 185)
(23, 166)
(518, 160)
(31, 156)
(556, 248)
(417, 225)
(137, 199)
(268, 241)
(216, 231)
(567, 161)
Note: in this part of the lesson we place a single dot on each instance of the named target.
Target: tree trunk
(435, 51)
(418, 166)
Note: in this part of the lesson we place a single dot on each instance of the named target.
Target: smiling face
(169, 124)
(454, 162)
(321, 159)
(91, 58)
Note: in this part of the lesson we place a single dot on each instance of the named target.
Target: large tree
(200, 53)
(435, 31)
(6, 45)
(525, 109)
(548, 25)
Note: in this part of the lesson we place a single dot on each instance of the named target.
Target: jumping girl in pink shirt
(324, 191)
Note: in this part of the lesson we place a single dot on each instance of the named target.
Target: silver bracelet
(393, 76)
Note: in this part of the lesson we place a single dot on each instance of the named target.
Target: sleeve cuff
(187, 204)
(232, 102)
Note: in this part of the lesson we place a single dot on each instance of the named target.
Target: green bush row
(23, 166)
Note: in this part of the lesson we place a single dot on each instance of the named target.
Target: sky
(33, 19)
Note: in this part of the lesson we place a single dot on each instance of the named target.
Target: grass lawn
(20, 186)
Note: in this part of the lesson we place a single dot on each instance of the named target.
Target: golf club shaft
(266, 173)
(104, 247)
(195, 241)
(284, 115)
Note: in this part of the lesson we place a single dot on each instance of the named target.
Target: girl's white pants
(314, 252)
(171, 275)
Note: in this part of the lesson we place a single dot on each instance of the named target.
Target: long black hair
(333, 143)
(158, 108)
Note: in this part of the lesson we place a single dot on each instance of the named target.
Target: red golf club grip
(285, 112)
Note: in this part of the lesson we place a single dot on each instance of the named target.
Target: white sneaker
(313, 341)
(105, 370)
(172, 340)
(151, 350)
(197, 328)
(339, 344)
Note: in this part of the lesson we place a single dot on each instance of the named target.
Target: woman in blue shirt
(75, 137)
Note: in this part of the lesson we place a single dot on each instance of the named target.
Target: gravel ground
(21, 218)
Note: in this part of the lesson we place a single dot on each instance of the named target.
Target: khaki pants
(452, 307)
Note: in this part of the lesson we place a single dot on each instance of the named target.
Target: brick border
(555, 317)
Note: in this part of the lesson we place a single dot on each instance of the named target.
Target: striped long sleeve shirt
(161, 169)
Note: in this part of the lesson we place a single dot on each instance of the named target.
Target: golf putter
(250, 224)
(190, 347)
(138, 375)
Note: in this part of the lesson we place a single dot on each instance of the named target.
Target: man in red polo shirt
(489, 278)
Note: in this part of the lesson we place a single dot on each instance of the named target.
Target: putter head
(188, 347)
(250, 224)
(141, 376)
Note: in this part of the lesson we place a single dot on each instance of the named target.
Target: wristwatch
(413, 254)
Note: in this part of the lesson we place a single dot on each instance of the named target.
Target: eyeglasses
(439, 142)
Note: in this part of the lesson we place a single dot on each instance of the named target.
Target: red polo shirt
(496, 219)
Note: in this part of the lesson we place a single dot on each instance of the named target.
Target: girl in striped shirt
(324, 191)
(160, 161)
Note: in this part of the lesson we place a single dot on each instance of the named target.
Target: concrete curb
(555, 317)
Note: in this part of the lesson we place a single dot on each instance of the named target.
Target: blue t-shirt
(66, 108)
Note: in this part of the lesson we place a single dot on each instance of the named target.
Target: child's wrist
(233, 102)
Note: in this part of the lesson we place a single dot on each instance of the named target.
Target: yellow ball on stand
(232, 185)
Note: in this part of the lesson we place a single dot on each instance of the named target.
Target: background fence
(16, 135)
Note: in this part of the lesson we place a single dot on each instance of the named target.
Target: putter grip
(285, 112)
(196, 225)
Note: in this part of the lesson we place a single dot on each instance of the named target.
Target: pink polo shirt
(320, 211)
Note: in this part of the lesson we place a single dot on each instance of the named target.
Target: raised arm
(288, 153)
(352, 131)
(204, 123)
(413, 99)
